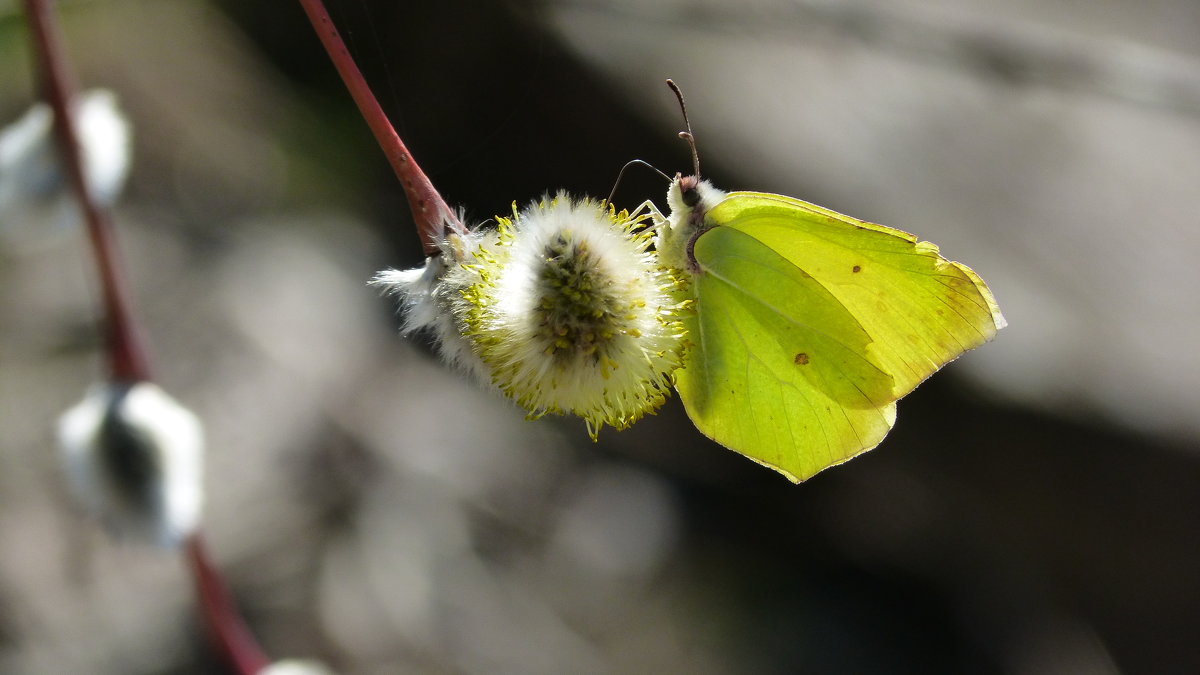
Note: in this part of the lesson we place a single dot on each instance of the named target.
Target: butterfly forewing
(920, 310)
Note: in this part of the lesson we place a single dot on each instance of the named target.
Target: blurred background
(1036, 509)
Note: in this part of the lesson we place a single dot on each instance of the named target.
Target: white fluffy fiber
(427, 294)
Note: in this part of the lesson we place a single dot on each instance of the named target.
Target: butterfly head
(689, 192)
(690, 199)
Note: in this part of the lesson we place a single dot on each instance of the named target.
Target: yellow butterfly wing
(810, 324)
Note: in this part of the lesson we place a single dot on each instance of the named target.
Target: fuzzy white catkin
(33, 186)
(577, 317)
(134, 460)
(562, 308)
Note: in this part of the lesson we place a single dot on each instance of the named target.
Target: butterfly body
(809, 325)
(689, 199)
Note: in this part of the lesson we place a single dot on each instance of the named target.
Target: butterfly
(809, 325)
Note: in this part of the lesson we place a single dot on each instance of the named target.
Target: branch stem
(225, 625)
(429, 210)
(127, 353)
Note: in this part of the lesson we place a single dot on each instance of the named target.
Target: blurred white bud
(134, 459)
(296, 667)
(33, 186)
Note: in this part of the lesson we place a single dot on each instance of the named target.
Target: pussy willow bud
(134, 460)
(562, 308)
(31, 177)
(570, 313)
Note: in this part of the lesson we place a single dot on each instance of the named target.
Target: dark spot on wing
(801, 359)
(856, 269)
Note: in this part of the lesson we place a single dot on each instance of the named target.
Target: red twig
(127, 353)
(429, 210)
(225, 625)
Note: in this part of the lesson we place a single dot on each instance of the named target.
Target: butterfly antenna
(686, 135)
(621, 174)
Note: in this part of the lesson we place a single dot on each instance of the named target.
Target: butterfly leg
(647, 208)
